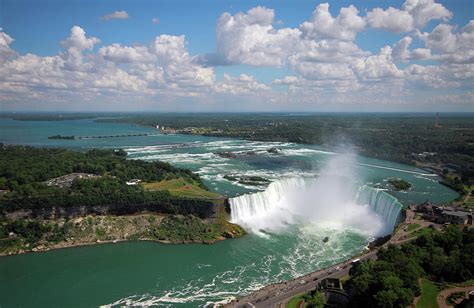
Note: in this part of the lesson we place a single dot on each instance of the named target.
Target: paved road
(277, 295)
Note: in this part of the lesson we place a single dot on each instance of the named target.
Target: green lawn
(420, 232)
(412, 227)
(181, 188)
(429, 291)
(295, 300)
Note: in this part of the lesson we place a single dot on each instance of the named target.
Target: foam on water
(304, 252)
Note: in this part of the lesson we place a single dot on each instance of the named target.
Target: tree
(314, 300)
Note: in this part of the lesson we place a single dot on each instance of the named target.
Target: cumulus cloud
(75, 45)
(126, 54)
(287, 80)
(160, 68)
(453, 47)
(250, 38)
(324, 26)
(391, 19)
(414, 15)
(5, 50)
(378, 66)
(240, 85)
(423, 11)
(401, 51)
(115, 15)
(321, 60)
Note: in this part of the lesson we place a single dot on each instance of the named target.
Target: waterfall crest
(318, 200)
(382, 203)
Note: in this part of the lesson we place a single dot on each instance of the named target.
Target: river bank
(44, 235)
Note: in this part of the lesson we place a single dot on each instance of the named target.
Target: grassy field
(429, 291)
(181, 188)
(412, 227)
(421, 232)
(294, 301)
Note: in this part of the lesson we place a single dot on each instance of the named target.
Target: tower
(437, 121)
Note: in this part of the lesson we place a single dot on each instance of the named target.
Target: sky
(192, 56)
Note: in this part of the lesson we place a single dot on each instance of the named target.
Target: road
(277, 295)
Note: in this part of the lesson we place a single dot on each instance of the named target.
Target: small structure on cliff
(445, 214)
(133, 182)
(334, 294)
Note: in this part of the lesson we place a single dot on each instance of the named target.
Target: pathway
(441, 298)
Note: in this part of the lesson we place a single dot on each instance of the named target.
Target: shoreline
(110, 242)
(108, 229)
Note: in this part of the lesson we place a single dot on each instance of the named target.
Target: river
(146, 273)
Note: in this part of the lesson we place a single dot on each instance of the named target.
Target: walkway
(441, 298)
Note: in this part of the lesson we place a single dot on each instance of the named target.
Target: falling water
(313, 200)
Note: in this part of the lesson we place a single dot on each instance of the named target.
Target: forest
(25, 170)
(392, 280)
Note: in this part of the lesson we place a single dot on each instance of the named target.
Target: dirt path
(441, 298)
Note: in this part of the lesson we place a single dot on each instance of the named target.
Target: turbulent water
(314, 194)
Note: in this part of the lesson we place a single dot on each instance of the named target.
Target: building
(133, 182)
(334, 294)
(445, 214)
(455, 217)
(330, 283)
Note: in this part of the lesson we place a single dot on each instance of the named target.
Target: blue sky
(38, 28)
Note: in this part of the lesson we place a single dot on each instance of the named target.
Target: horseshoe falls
(301, 199)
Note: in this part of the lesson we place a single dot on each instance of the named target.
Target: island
(399, 184)
(252, 180)
(54, 198)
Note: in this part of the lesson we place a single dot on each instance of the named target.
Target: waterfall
(381, 202)
(318, 200)
(249, 205)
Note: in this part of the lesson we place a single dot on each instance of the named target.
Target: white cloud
(75, 45)
(155, 20)
(323, 25)
(402, 53)
(126, 54)
(240, 85)
(321, 59)
(378, 66)
(250, 38)
(115, 15)
(391, 19)
(415, 14)
(451, 47)
(5, 50)
(423, 11)
(287, 80)
(400, 49)
(441, 39)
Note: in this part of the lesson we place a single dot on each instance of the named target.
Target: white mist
(336, 199)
